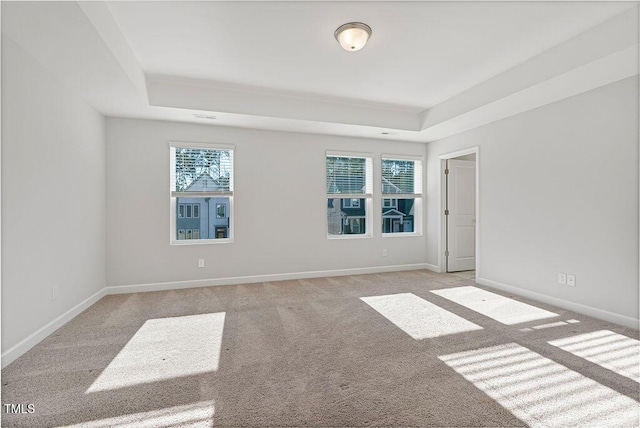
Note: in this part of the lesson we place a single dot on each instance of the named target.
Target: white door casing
(461, 221)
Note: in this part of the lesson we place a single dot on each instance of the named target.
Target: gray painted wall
(53, 197)
(558, 193)
(280, 221)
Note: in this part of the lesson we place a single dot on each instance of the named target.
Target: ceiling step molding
(598, 57)
(82, 46)
(198, 94)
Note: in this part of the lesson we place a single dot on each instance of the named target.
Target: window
(201, 182)
(351, 203)
(389, 203)
(401, 195)
(221, 210)
(349, 192)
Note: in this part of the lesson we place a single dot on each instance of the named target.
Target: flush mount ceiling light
(353, 36)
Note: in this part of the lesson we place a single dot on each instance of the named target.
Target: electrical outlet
(201, 263)
(562, 278)
(571, 280)
(54, 293)
(384, 252)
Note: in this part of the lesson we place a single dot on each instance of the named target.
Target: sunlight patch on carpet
(417, 317)
(550, 325)
(163, 349)
(541, 392)
(195, 415)
(500, 308)
(613, 351)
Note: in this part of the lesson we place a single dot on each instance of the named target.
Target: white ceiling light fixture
(353, 36)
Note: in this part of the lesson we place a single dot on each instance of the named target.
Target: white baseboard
(433, 268)
(17, 350)
(176, 285)
(600, 314)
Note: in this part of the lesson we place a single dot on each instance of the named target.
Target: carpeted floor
(313, 353)
(466, 274)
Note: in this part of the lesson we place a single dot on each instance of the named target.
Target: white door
(461, 218)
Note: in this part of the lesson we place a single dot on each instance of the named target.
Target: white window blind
(349, 176)
(402, 178)
(201, 171)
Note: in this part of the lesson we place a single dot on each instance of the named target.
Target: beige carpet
(466, 274)
(314, 353)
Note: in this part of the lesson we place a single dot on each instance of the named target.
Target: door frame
(442, 232)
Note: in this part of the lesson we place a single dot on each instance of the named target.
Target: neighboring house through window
(201, 183)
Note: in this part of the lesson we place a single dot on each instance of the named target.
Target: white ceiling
(431, 69)
(420, 54)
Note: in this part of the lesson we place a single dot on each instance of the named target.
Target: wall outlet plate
(200, 263)
(571, 280)
(562, 278)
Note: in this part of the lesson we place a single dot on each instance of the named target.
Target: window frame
(417, 195)
(367, 195)
(174, 195)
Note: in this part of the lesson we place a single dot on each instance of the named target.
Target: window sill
(183, 242)
(353, 236)
(401, 235)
